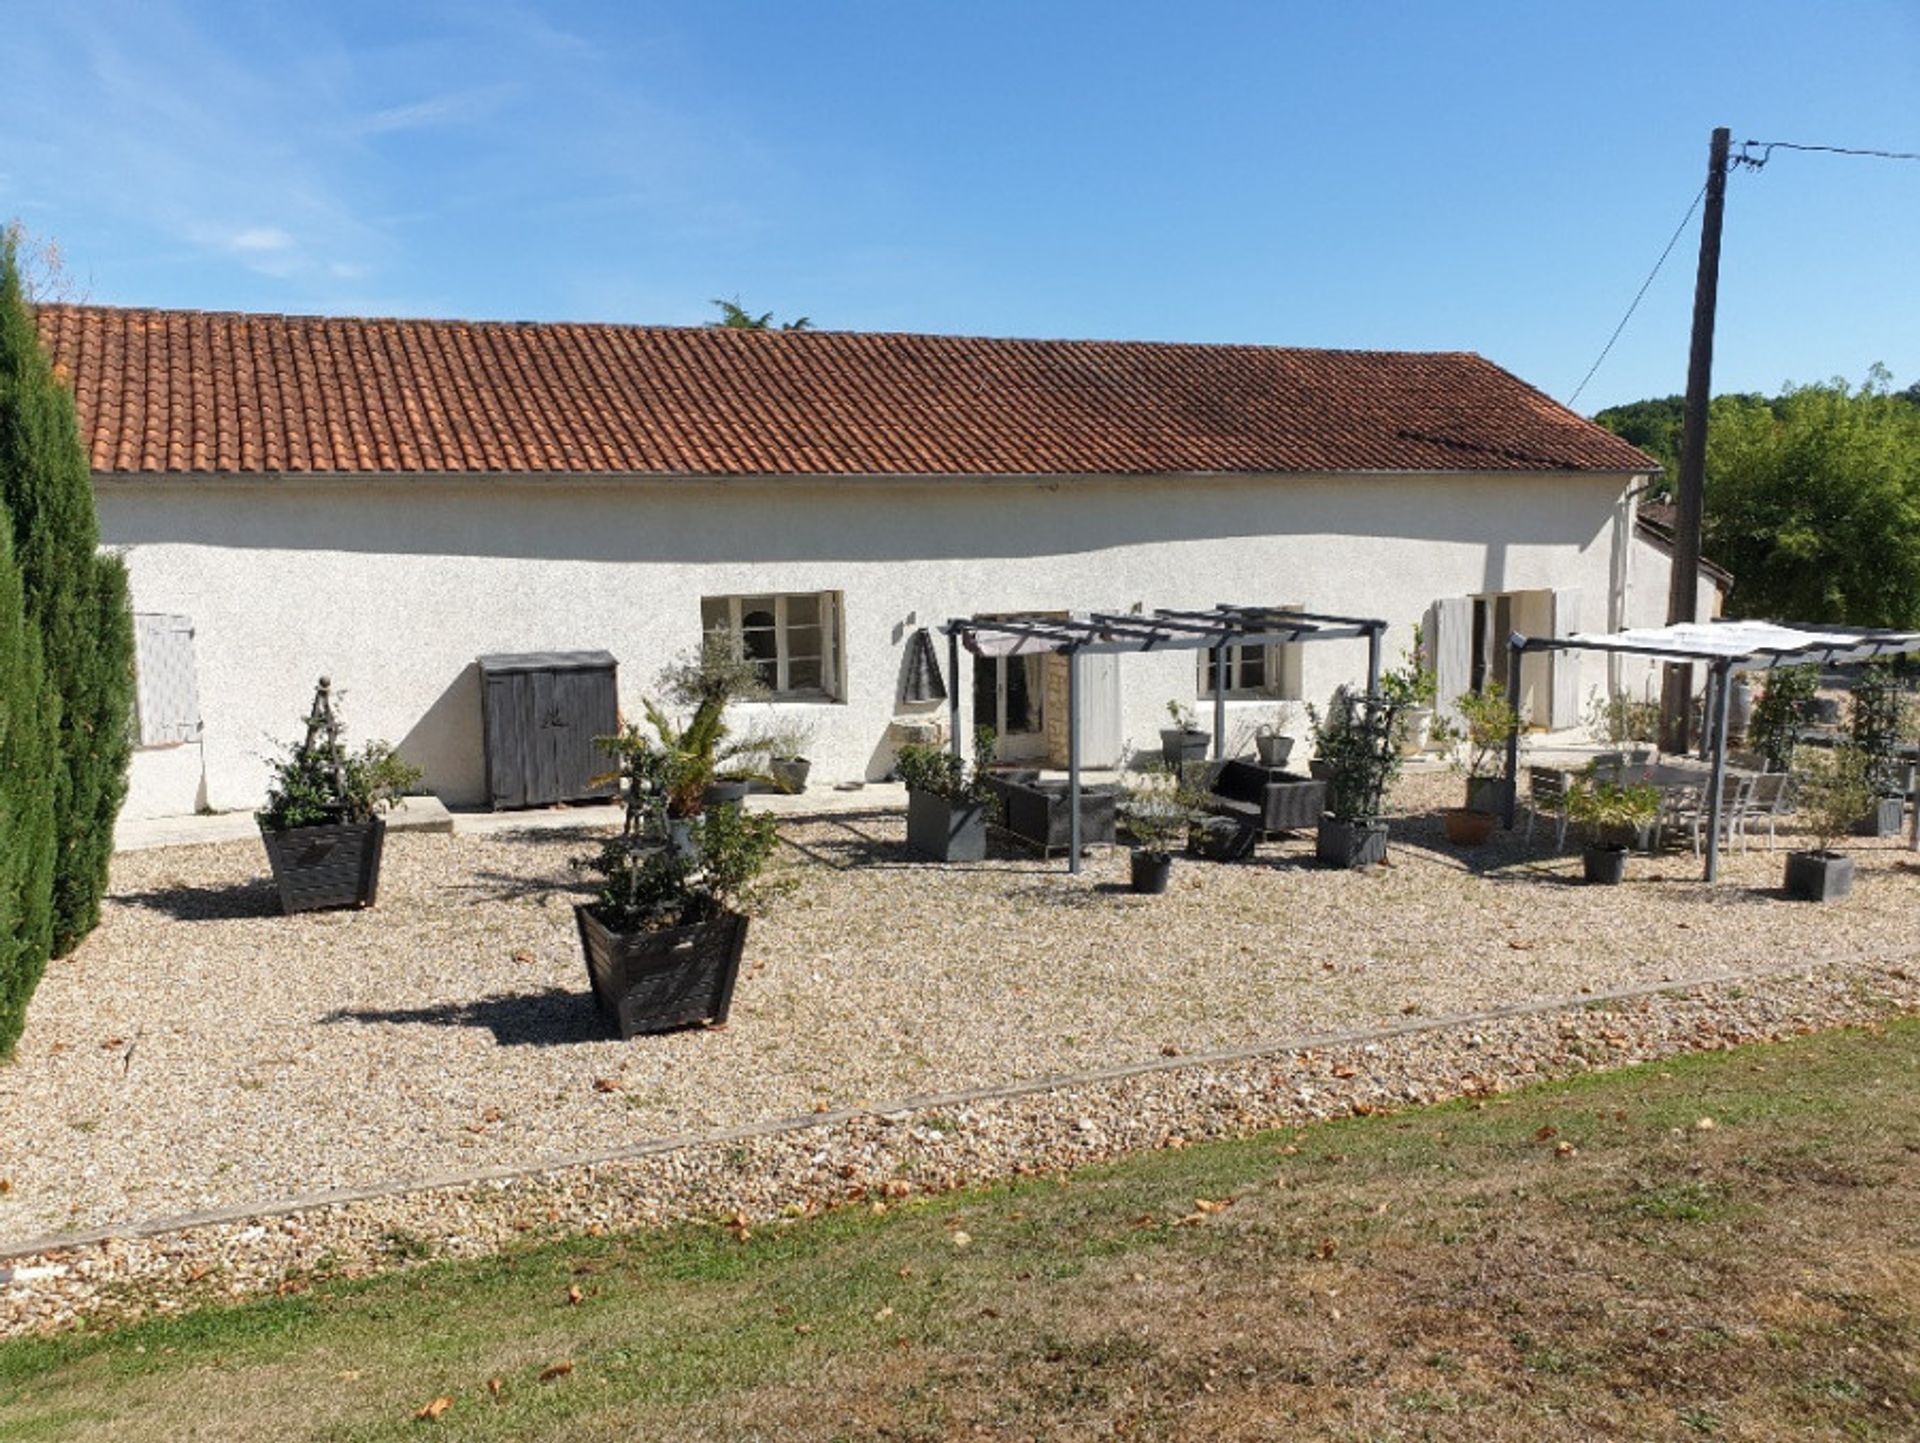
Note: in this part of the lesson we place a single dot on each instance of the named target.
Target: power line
(1768, 147)
(1639, 295)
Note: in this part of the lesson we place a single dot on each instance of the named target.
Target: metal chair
(1735, 794)
(1547, 791)
(1771, 798)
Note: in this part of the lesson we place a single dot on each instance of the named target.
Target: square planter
(1819, 876)
(1178, 747)
(334, 865)
(1347, 843)
(658, 981)
(946, 831)
(1884, 820)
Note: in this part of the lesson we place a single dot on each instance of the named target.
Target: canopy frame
(1165, 629)
(1738, 648)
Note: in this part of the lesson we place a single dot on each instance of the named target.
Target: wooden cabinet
(540, 712)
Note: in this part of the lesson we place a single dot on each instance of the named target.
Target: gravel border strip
(924, 1102)
(749, 1177)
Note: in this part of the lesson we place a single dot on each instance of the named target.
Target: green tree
(735, 317)
(1813, 502)
(28, 719)
(76, 599)
(1654, 426)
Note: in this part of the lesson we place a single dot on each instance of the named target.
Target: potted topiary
(1182, 742)
(1613, 815)
(322, 823)
(1412, 687)
(1479, 743)
(1834, 790)
(1876, 725)
(1356, 745)
(663, 935)
(1157, 809)
(947, 800)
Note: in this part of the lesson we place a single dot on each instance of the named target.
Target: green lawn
(1725, 1246)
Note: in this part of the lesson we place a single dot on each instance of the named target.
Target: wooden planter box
(334, 865)
(1344, 843)
(657, 981)
(946, 831)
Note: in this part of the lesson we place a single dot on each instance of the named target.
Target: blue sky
(1466, 176)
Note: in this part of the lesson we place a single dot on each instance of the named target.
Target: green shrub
(320, 782)
(1784, 708)
(27, 737)
(76, 599)
(938, 772)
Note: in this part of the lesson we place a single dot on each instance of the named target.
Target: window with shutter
(166, 695)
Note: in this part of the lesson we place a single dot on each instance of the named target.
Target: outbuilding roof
(188, 392)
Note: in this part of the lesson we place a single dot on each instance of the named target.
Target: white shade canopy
(1751, 644)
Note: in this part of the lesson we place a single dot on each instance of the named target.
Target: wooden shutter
(1449, 638)
(1566, 664)
(166, 695)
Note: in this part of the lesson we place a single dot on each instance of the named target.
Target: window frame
(1280, 669)
(830, 688)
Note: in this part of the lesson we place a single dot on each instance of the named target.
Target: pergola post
(1717, 719)
(1374, 638)
(1073, 760)
(1512, 798)
(1220, 703)
(953, 690)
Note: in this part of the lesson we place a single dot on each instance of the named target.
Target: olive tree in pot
(947, 799)
(1609, 813)
(1157, 809)
(1877, 723)
(1835, 788)
(1412, 687)
(1478, 743)
(664, 933)
(322, 823)
(690, 725)
(1184, 741)
(1356, 744)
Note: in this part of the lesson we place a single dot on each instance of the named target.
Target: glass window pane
(758, 645)
(803, 675)
(1253, 667)
(803, 641)
(803, 610)
(714, 613)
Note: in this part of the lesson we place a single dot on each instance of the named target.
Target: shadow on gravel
(207, 904)
(552, 1017)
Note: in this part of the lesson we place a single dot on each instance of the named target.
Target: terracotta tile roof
(1655, 522)
(191, 392)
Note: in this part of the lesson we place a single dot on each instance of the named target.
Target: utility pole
(1683, 597)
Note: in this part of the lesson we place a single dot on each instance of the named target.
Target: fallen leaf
(492, 1114)
(1169, 1051)
(521, 954)
(803, 1328)
(1329, 1246)
(494, 1385)
(1563, 1148)
(895, 1187)
(883, 1315)
(6, 1186)
(606, 1084)
(1343, 1071)
(556, 1370)
(961, 1239)
(573, 1297)
(434, 1409)
(1705, 1124)
(112, 1042)
(1207, 1206)
(905, 1273)
(1519, 944)
(1547, 1133)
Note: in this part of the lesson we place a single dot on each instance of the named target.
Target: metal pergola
(1103, 633)
(1726, 647)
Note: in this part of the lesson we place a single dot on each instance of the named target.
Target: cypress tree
(77, 601)
(27, 731)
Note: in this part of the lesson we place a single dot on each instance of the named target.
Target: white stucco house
(384, 501)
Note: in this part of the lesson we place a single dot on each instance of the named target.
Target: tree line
(1812, 496)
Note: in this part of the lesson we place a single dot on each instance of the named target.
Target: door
(1009, 695)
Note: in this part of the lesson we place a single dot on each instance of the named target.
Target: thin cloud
(457, 107)
(260, 240)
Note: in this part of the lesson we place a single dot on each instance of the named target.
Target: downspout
(1622, 573)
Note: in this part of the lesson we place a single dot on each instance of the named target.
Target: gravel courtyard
(201, 1050)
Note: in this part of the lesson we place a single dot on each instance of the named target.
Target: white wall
(392, 588)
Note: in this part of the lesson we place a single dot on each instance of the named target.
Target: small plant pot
(789, 773)
(1347, 842)
(1884, 820)
(1320, 771)
(1180, 745)
(1273, 750)
(1605, 863)
(1819, 876)
(725, 794)
(334, 865)
(945, 830)
(1468, 826)
(1414, 729)
(1150, 872)
(658, 981)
